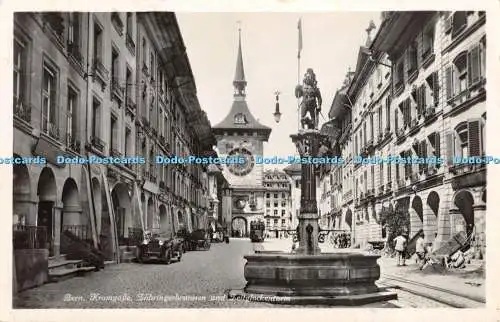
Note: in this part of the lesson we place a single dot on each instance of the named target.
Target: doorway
(46, 219)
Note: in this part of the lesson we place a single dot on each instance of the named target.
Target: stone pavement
(459, 281)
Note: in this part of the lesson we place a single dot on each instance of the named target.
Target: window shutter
(424, 153)
(437, 145)
(449, 82)
(473, 65)
(474, 127)
(450, 147)
(422, 98)
(396, 119)
(435, 88)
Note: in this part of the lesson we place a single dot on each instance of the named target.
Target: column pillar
(430, 223)
(57, 229)
(480, 228)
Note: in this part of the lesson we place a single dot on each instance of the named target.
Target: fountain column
(307, 142)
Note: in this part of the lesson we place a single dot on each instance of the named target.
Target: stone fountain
(308, 276)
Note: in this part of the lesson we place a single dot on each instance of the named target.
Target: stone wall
(31, 268)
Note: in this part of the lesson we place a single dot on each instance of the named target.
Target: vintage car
(158, 245)
(198, 239)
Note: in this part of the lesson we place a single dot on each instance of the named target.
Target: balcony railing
(131, 104)
(29, 237)
(83, 232)
(100, 71)
(97, 143)
(21, 110)
(116, 153)
(117, 89)
(51, 130)
(129, 42)
(73, 143)
(54, 22)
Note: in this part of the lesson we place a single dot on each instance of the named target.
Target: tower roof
(240, 117)
(239, 75)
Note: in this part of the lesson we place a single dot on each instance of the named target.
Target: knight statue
(311, 100)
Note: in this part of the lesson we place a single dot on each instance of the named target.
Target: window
(276, 222)
(98, 54)
(49, 97)
(433, 94)
(127, 141)
(144, 54)
(268, 222)
(74, 35)
(268, 195)
(421, 150)
(371, 126)
(420, 98)
(130, 25)
(428, 42)
(399, 76)
(283, 204)
(96, 118)
(297, 184)
(381, 174)
(128, 85)
(465, 141)
(380, 131)
(19, 73)
(71, 114)
(283, 222)
(389, 174)
(268, 204)
(459, 22)
(113, 134)
(115, 67)
(364, 131)
(388, 112)
(283, 211)
(412, 58)
(276, 196)
(275, 213)
(405, 107)
(276, 204)
(152, 64)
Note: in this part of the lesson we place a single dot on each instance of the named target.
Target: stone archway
(165, 221)
(239, 227)
(180, 220)
(97, 195)
(123, 212)
(463, 216)
(23, 211)
(150, 214)
(416, 216)
(106, 235)
(72, 220)
(431, 217)
(47, 196)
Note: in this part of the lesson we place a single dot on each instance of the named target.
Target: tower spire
(239, 82)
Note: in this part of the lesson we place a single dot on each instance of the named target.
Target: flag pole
(299, 27)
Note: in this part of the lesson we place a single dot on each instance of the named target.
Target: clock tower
(240, 134)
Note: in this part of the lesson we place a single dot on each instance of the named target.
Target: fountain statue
(308, 276)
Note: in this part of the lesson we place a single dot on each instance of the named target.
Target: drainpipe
(92, 200)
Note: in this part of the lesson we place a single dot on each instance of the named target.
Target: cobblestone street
(201, 278)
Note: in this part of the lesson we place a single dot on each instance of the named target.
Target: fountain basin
(327, 278)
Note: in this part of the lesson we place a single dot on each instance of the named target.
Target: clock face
(241, 169)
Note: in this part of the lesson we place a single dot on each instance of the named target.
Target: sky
(269, 44)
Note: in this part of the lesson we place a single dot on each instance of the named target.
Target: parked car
(158, 245)
(198, 239)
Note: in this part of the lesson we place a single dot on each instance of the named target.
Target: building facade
(431, 106)
(278, 208)
(240, 135)
(106, 85)
(294, 177)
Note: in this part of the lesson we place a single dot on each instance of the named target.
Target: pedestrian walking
(400, 246)
(420, 250)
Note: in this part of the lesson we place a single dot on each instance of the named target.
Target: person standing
(400, 245)
(420, 250)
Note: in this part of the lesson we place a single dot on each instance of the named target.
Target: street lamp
(277, 114)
